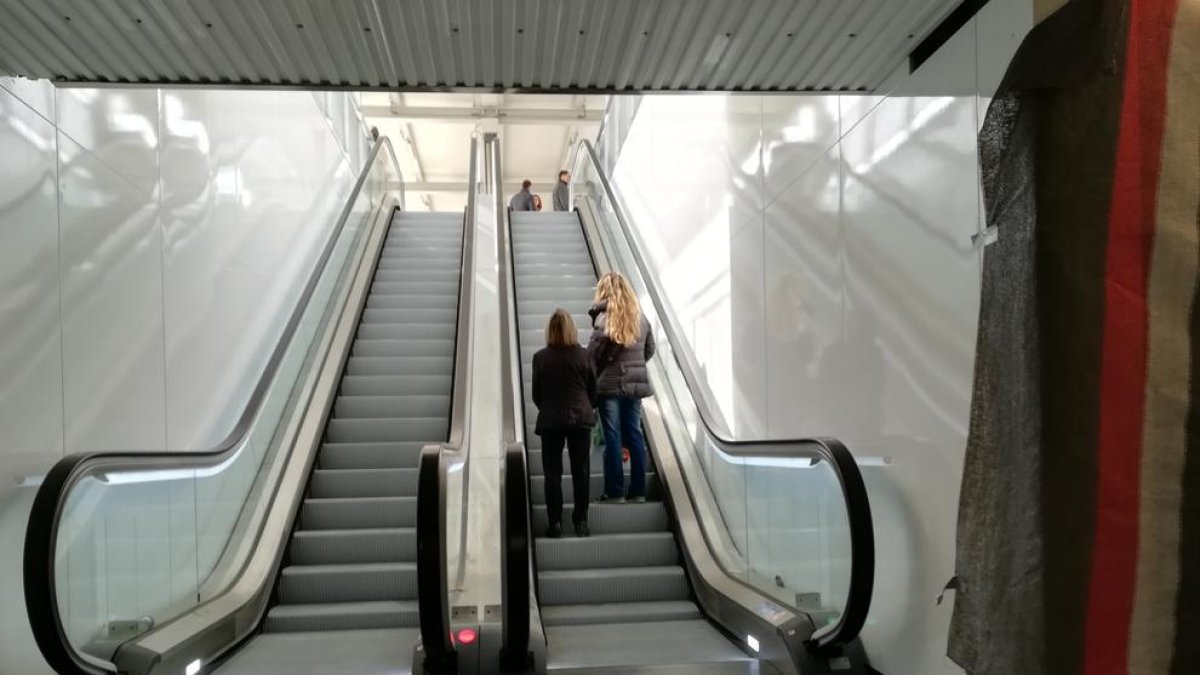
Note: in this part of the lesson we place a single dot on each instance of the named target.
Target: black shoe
(605, 499)
(582, 530)
(554, 531)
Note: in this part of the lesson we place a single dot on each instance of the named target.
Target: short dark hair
(562, 173)
(526, 184)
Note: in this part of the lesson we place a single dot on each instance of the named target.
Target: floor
(352, 652)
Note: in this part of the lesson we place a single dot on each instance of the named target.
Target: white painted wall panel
(853, 294)
(174, 228)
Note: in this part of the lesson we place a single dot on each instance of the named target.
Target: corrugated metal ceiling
(536, 45)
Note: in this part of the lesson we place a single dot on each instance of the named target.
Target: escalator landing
(361, 652)
(664, 647)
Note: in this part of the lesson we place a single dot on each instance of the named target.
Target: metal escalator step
(537, 486)
(396, 455)
(415, 264)
(612, 518)
(382, 347)
(335, 483)
(400, 365)
(550, 266)
(377, 301)
(402, 276)
(431, 429)
(550, 293)
(620, 612)
(579, 316)
(305, 584)
(613, 584)
(416, 287)
(358, 513)
(396, 385)
(337, 547)
(401, 331)
(342, 616)
(365, 407)
(418, 316)
(577, 308)
(647, 549)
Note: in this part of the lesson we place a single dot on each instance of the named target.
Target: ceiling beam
(504, 115)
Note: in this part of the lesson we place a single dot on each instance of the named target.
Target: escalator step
(400, 365)
(358, 513)
(395, 455)
(373, 430)
(362, 407)
(611, 518)
(342, 616)
(339, 547)
(647, 549)
(381, 347)
(336, 483)
(410, 316)
(612, 585)
(621, 612)
(379, 301)
(537, 486)
(397, 385)
(306, 584)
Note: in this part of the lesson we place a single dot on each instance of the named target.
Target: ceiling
(431, 133)
(544, 45)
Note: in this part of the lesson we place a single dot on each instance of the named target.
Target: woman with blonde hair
(620, 346)
(564, 391)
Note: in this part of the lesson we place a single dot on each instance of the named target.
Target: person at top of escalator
(562, 191)
(564, 391)
(620, 345)
(523, 200)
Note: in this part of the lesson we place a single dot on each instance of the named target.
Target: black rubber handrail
(433, 587)
(514, 650)
(41, 598)
(832, 451)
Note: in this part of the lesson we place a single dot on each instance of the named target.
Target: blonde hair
(560, 330)
(624, 322)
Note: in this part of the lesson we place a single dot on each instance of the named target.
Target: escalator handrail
(433, 588)
(832, 451)
(41, 601)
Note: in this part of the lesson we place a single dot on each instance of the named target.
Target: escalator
(351, 569)
(675, 584)
(629, 571)
(296, 536)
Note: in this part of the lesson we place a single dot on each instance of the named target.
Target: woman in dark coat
(621, 344)
(564, 391)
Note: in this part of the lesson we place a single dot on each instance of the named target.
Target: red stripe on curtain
(1123, 359)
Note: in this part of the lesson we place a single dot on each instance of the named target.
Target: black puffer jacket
(564, 389)
(620, 370)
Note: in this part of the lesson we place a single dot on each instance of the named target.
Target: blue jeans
(621, 420)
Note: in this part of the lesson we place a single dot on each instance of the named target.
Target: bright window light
(192, 668)
(750, 640)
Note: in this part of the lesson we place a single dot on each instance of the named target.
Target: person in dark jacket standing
(620, 345)
(523, 200)
(562, 191)
(564, 391)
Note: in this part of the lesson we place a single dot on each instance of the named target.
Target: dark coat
(620, 370)
(564, 389)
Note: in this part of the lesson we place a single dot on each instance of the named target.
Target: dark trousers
(578, 442)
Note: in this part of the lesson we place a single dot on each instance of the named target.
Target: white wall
(152, 243)
(818, 251)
